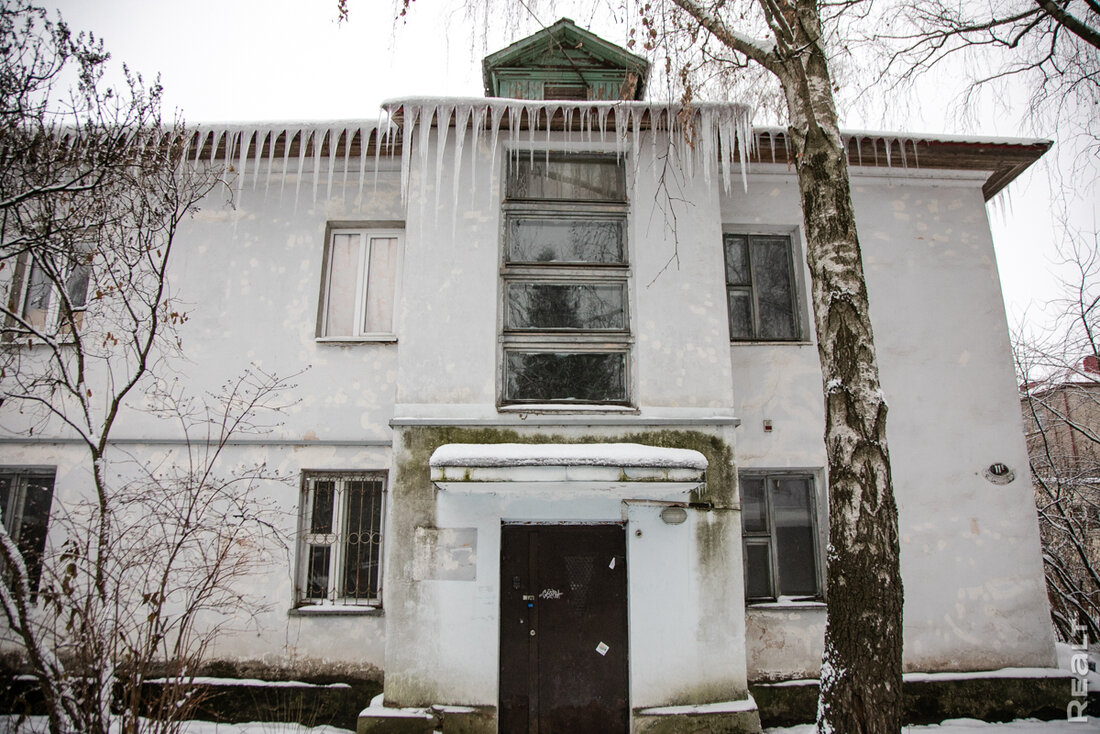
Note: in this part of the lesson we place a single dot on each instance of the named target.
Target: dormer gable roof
(565, 61)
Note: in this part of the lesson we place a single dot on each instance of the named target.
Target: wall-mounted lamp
(673, 515)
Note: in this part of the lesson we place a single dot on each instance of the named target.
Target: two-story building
(559, 450)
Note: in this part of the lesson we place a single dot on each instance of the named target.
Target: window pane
(363, 542)
(380, 285)
(38, 297)
(76, 285)
(564, 91)
(772, 270)
(552, 306)
(600, 179)
(320, 516)
(737, 260)
(32, 527)
(758, 571)
(317, 564)
(342, 281)
(792, 512)
(556, 376)
(545, 240)
(7, 501)
(754, 515)
(740, 308)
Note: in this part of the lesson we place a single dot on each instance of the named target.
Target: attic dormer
(565, 62)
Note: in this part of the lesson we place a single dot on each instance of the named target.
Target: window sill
(796, 604)
(770, 343)
(335, 610)
(539, 408)
(376, 339)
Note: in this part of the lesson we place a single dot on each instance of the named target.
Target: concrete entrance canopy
(617, 469)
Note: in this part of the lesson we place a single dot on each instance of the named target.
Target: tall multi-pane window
(779, 527)
(565, 323)
(25, 496)
(760, 288)
(340, 538)
(360, 283)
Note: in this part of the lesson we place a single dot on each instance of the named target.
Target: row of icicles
(704, 137)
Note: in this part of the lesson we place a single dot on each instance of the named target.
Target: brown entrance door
(563, 638)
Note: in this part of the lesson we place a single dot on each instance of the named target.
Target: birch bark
(861, 667)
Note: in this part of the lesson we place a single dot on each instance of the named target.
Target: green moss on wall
(414, 476)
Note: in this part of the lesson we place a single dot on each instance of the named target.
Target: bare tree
(1051, 46)
(1060, 376)
(789, 41)
(93, 189)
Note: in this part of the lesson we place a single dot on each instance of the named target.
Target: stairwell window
(359, 287)
(340, 538)
(565, 328)
(761, 291)
(779, 530)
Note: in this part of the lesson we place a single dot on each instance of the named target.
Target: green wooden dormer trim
(565, 62)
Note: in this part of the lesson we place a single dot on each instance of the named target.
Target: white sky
(238, 60)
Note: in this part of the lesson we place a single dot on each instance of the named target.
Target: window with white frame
(761, 291)
(25, 496)
(340, 538)
(359, 285)
(56, 292)
(565, 330)
(779, 529)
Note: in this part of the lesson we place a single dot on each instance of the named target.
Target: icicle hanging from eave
(723, 135)
(243, 148)
(722, 132)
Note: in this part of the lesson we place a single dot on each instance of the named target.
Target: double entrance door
(563, 630)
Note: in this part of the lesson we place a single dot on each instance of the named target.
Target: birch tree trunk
(861, 669)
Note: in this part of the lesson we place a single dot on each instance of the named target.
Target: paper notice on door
(602, 648)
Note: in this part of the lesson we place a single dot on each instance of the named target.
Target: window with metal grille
(779, 528)
(340, 548)
(25, 496)
(760, 288)
(565, 330)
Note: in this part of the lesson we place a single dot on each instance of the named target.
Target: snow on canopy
(565, 454)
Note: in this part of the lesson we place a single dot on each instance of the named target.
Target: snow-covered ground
(1066, 653)
(260, 727)
(973, 726)
(37, 725)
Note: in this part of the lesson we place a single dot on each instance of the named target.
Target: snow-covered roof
(565, 454)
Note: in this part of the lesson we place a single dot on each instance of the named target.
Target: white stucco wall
(266, 631)
(974, 591)
(249, 277)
